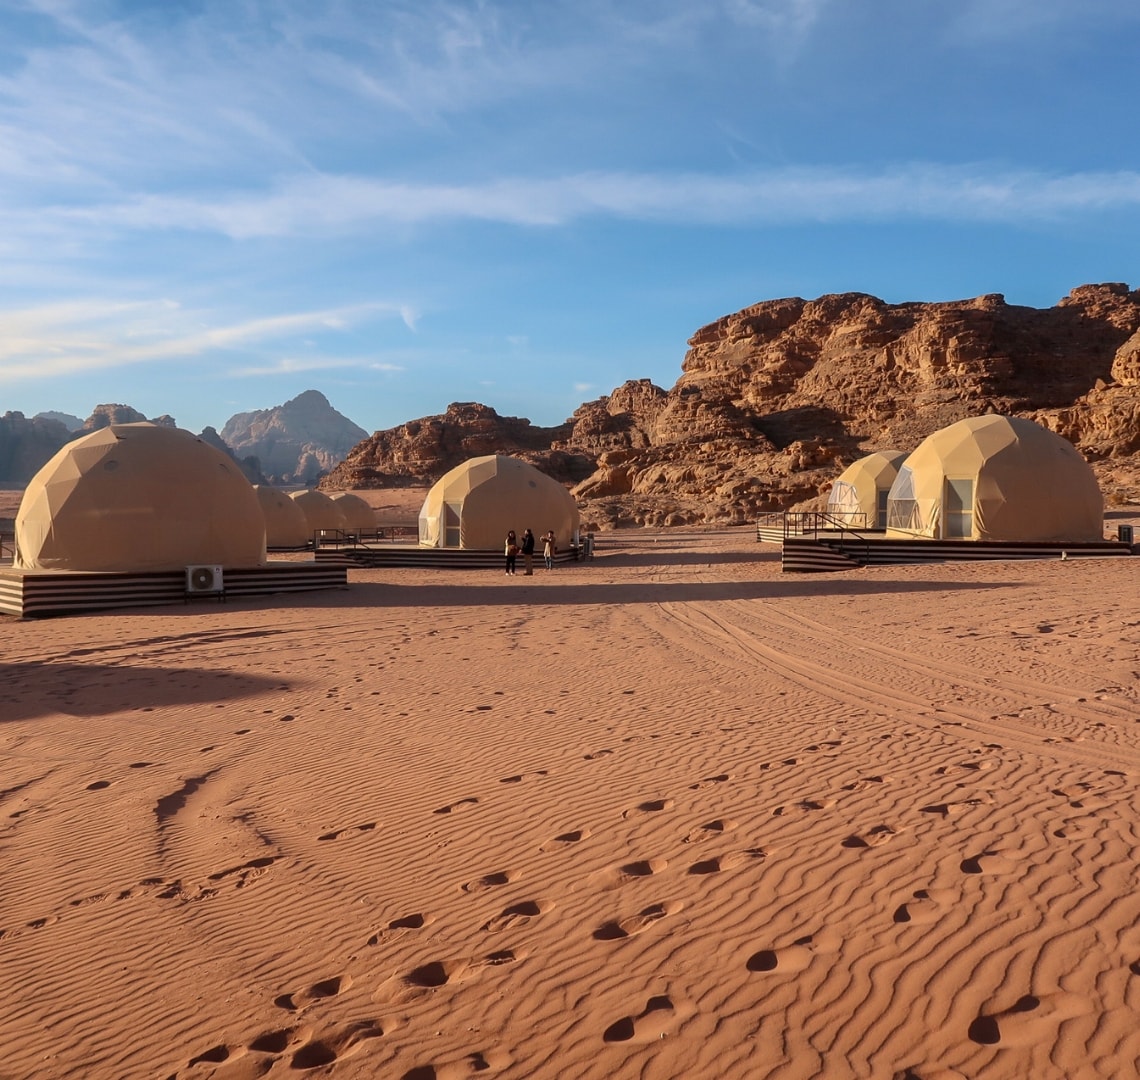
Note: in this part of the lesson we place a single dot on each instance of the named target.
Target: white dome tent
(474, 505)
(139, 497)
(858, 498)
(996, 478)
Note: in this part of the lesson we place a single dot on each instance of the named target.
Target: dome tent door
(958, 509)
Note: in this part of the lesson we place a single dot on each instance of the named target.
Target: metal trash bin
(1124, 534)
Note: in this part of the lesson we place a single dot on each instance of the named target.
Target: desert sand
(670, 813)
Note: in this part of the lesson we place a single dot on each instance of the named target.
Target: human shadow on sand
(32, 690)
(546, 590)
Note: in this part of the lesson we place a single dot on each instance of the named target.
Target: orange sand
(668, 814)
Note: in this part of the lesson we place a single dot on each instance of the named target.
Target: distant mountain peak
(295, 442)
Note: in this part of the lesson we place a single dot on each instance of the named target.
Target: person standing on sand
(511, 549)
(548, 549)
(528, 552)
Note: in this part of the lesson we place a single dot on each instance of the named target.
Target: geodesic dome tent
(321, 513)
(996, 478)
(138, 497)
(285, 523)
(474, 505)
(859, 496)
(357, 513)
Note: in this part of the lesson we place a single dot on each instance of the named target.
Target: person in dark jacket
(528, 552)
(511, 549)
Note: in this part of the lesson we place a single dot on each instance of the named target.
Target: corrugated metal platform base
(428, 558)
(822, 554)
(35, 593)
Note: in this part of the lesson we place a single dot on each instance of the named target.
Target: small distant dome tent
(322, 514)
(358, 515)
(996, 478)
(476, 503)
(285, 523)
(139, 497)
(859, 496)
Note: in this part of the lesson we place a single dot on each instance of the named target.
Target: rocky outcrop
(104, 415)
(26, 445)
(295, 443)
(72, 423)
(421, 451)
(775, 399)
(249, 465)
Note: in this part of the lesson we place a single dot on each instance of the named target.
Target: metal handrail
(812, 522)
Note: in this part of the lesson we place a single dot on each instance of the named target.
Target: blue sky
(208, 207)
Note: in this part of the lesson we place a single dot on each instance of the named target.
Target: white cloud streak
(84, 336)
(321, 205)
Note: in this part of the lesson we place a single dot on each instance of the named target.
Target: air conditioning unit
(204, 579)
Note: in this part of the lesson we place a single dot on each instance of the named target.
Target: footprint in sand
(247, 872)
(796, 956)
(947, 809)
(280, 1040)
(710, 829)
(336, 834)
(660, 1017)
(724, 862)
(926, 907)
(457, 807)
(615, 876)
(518, 915)
(518, 778)
(709, 781)
(873, 837)
(637, 924)
(865, 782)
(480, 1063)
(99, 785)
(400, 926)
(650, 806)
(990, 861)
(439, 973)
(340, 1043)
(326, 988)
(816, 804)
(1029, 1020)
(491, 881)
(596, 755)
(575, 836)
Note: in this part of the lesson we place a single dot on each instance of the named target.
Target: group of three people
(526, 547)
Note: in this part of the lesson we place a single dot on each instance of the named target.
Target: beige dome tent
(322, 514)
(474, 505)
(859, 496)
(285, 523)
(132, 497)
(358, 515)
(996, 478)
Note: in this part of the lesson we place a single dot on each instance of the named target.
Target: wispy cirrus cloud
(316, 205)
(90, 335)
(299, 365)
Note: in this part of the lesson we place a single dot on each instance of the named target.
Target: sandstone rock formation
(72, 423)
(421, 451)
(104, 415)
(774, 400)
(26, 445)
(295, 442)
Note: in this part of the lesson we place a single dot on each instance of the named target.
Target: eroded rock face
(774, 400)
(421, 451)
(295, 442)
(104, 415)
